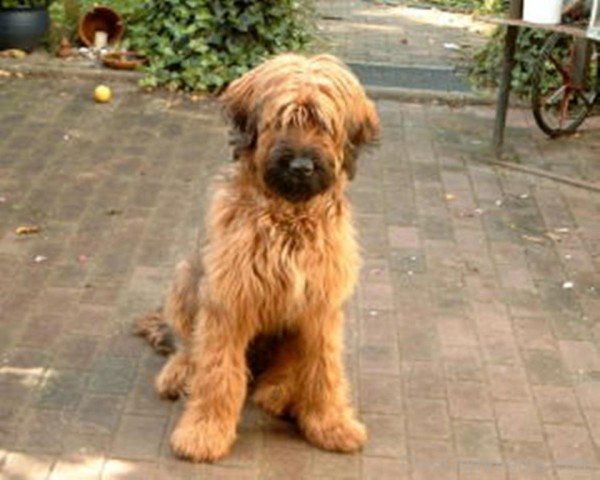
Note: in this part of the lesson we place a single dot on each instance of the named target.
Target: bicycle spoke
(580, 94)
(563, 72)
(554, 96)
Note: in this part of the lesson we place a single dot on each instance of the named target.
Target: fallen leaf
(114, 211)
(28, 230)
(554, 237)
(13, 53)
(40, 258)
(568, 285)
(529, 238)
(450, 196)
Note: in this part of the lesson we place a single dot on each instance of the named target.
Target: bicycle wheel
(562, 95)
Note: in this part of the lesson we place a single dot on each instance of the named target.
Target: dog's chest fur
(279, 264)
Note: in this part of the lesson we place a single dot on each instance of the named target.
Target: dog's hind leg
(183, 298)
(172, 381)
(180, 311)
(153, 327)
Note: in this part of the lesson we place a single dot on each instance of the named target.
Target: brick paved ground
(403, 34)
(469, 359)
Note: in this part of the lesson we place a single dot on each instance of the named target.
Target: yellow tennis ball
(102, 94)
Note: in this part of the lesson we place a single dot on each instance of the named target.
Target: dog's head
(299, 123)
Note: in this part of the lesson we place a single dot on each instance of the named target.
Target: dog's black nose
(302, 166)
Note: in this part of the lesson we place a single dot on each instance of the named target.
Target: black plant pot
(23, 27)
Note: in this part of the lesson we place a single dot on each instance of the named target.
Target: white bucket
(542, 11)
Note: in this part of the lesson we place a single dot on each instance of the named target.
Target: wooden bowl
(123, 60)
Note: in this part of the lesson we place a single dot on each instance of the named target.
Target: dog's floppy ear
(238, 102)
(363, 129)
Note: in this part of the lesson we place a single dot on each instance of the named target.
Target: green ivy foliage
(6, 4)
(200, 45)
(486, 66)
(468, 6)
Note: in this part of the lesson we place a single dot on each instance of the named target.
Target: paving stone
(287, 462)
(424, 379)
(380, 394)
(528, 460)
(428, 418)
(116, 469)
(387, 436)
(376, 468)
(42, 431)
(98, 414)
(517, 421)
(577, 474)
(534, 333)
(477, 442)
(19, 465)
(580, 356)
(477, 471)
(593, 422)
(61, 389)
(331, 465)
(557, 405)
(113, 375)
(463, 364)
(78, 468)
(469, 400)
(433, 459)
(508, 382)
(545, 367)
(571, 446)
(500, 348)
(588, 394)
(139, 437)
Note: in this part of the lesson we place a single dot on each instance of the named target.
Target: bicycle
(565, 83)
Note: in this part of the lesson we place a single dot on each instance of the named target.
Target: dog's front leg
(217, 387)
(322, 407)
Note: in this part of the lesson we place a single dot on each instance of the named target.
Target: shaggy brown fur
(280, 258)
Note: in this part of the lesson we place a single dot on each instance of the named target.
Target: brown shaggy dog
(280, 259)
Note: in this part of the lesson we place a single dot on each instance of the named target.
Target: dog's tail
(153, 327)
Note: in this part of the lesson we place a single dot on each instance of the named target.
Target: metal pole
(504, 89)
(510, 43)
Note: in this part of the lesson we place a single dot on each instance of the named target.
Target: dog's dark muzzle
(298, 178)
(302, 166)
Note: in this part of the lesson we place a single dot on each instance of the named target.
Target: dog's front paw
(335, 432)
(203, 441)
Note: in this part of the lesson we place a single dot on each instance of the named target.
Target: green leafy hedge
(6, 4)
(467, 5)
(487, 63)
(204, 44)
